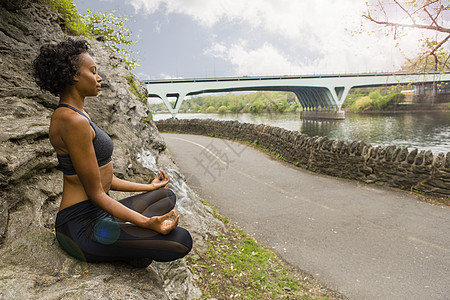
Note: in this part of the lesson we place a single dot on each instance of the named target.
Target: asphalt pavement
(365, 241)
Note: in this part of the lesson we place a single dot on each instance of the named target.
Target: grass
(131, 79)
(236, 266)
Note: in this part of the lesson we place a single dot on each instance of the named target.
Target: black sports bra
(103, 146)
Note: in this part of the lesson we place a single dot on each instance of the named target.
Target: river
(421, 130)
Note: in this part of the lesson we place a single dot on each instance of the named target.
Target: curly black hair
(57, 64)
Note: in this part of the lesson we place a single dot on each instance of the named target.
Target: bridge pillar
(322, 114)
(175, 108)
(339, 93)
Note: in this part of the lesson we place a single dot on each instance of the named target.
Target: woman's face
(87, 81)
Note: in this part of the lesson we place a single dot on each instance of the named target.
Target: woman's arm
(77, 135)
(160, 181)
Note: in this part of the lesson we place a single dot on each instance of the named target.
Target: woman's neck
(72, 99)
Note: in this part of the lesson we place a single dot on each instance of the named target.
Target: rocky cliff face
(31, 263)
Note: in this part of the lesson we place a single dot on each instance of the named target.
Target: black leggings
(91, 234)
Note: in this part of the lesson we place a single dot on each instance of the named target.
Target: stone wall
(388, 165)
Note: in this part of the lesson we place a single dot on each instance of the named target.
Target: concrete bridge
(321, 96)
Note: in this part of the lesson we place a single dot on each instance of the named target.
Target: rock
(15, 4)
(32, 265)
(411, 156)
(35, 267)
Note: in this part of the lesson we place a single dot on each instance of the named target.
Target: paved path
(361, 240)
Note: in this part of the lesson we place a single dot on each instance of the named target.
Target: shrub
(391, 101)
(223, 109)
(363, 104)
(72, 23)
(210, 110)
(135, 90)
(113, 32)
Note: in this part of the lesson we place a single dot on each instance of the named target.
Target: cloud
(147, 6)
(260, 61)
(287, 18)
(146, 76)
(317, 34)
(168, 76)
(143, 75)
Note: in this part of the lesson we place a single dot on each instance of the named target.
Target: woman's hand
(161, 180)
(163, 224)
(127, 186)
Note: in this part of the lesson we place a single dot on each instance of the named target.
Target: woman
(90, 225)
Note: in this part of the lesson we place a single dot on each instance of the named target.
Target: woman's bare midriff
(73, 190)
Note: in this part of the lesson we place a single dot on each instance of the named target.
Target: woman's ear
(75, 77)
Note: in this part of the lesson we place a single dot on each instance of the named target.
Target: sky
(227, 38)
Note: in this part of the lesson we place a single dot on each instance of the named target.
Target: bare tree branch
(433, 20)
(407, 12)
(420, 26)
(445, 62)
(382, 8)
(440, 44)
(435, 62)
(425, 5)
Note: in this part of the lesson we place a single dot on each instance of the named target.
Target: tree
(420, 14)
(427, 63)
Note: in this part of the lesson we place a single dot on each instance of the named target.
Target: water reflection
(424, 130)
(328, 128)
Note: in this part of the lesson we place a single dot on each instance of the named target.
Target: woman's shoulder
(67, 120)
(68, 116)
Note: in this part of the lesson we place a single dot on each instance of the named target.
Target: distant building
(430, 93)
(409, 95)
(433, 89)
